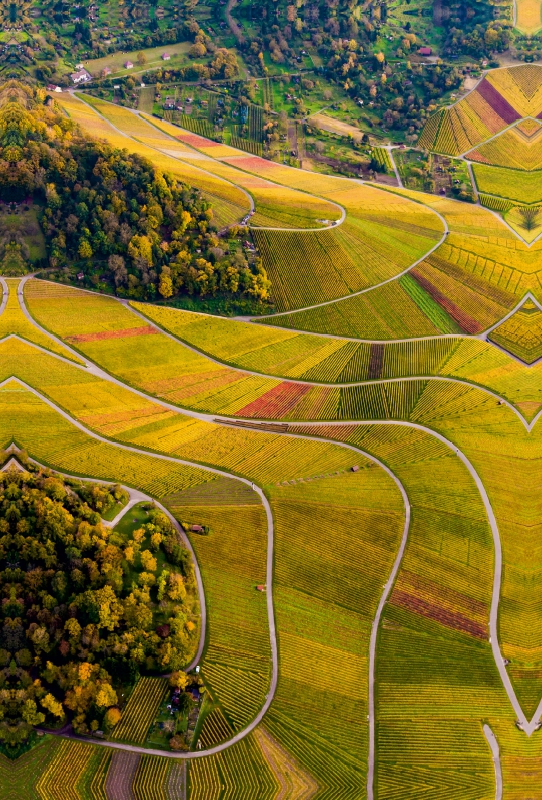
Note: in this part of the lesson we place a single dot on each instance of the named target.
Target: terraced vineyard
(382, 235)
(342, 497)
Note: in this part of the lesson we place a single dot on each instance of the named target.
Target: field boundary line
(94, 369)
(270, 555)
(138, 496)
(369, 288)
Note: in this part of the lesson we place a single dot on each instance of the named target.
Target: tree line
(115, 219)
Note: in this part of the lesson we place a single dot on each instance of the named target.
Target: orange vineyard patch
(451, 619)
(123, 333)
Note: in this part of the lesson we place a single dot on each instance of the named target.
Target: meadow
(153, 58)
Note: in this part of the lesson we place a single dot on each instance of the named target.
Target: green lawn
(112, 512)
(24, 224)
(134, 519)
(178, 53)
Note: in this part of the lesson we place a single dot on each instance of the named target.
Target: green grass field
(153, 59)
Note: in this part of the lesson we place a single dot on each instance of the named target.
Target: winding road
(99, 372)
(495, 754)
(527, 726)
(335, 224)
(203, 157)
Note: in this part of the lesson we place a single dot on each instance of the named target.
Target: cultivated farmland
(326, 584)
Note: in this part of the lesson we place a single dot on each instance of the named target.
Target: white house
(82, 76)
(166, 56)
(128, 65)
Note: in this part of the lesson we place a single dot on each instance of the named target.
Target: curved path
(291, 230)
(137, 496)
(269, 576)
(369, 288)
(527, 726)
(244, 154)
(99, 372)
(388, 586)
(495, 753)
(483, 336)
(133, 138)
(333, 224)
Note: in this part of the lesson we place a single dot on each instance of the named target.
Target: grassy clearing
(153, 59)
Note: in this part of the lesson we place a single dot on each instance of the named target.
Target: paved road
(495, 753)
(390, 148)
(94, 369)
(527, 726)
(178, 157)
(369, 288)
(388, 586)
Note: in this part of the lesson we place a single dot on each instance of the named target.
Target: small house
(424, 51)
(106, 71)
(80, 276)
(166, 57)
(82, 76)
(128, 65)
(169, 103)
